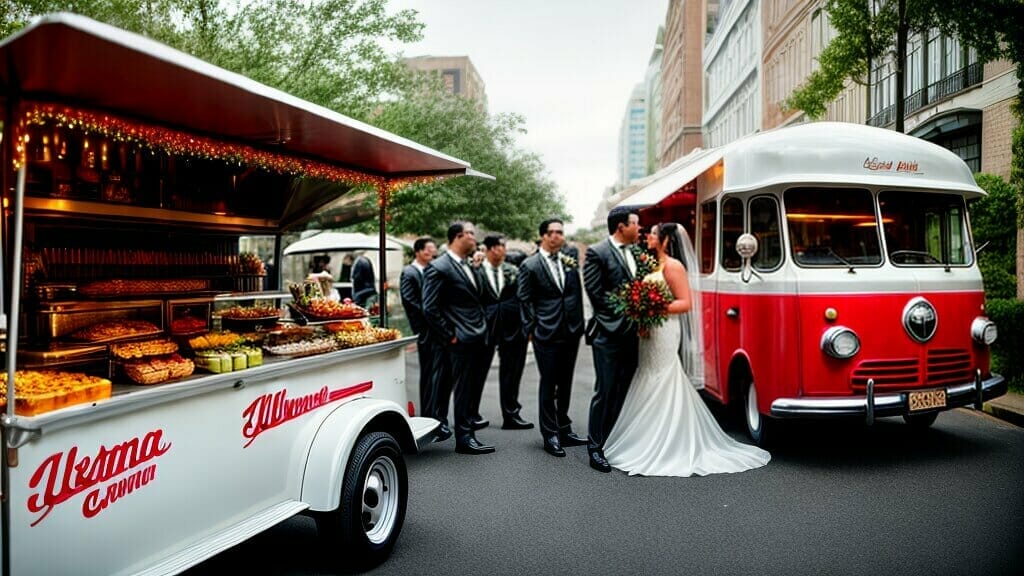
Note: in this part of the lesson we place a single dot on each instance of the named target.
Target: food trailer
(157, 409)
(837, 274)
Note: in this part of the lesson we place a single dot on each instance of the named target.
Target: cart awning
(668, 180)
(70, 58)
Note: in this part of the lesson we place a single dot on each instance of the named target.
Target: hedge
(1008, 349)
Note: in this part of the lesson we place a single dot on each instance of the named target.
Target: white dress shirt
(627, 254)
(555, 267)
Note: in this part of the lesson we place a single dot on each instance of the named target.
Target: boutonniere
(510, 273)
(568, 261)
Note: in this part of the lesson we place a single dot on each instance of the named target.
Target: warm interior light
(823, 217)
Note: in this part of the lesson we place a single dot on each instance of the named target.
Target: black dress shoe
(479, 425)
(472, 446)
(572, 439)
(442, 433)
(516, 423)
(554, 448)
(597, 461)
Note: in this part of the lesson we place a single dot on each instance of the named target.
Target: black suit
(430, 351)
(614, 340)
(362, 281)
(553, 317)
(452, 308)
(505, 331)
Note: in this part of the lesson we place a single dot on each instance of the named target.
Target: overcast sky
(567, 66)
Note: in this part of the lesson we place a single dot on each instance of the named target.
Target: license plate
(927, 399)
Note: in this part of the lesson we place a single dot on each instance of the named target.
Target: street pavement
(837, 498)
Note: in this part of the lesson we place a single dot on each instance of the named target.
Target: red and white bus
(838, 274)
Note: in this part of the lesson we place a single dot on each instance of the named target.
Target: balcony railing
(956, 82)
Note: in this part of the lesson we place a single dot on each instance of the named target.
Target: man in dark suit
(551, 297)
(429, 350)
(453, 310)
(610, 263)
(363, 286)
(504, 330)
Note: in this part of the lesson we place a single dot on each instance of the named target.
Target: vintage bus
(838, 274)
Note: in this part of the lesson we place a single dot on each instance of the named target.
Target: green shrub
(1008, 349)
(993, 222)
(1000, 283)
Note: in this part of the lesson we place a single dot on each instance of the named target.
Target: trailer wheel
(760, 427)
(920, 421)
(373, 501)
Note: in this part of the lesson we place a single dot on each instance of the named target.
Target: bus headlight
(840, 342)
(984, 331)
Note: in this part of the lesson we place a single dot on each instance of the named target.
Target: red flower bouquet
(644, 303)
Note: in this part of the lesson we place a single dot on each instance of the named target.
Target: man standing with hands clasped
(504, 330)
(551, 297)
(610, 264)
(453, 309)
(429, 350)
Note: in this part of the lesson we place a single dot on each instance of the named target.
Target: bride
(664, 428)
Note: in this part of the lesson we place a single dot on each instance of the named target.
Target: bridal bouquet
(644, 303)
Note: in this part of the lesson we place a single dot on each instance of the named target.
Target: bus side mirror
(746, 247)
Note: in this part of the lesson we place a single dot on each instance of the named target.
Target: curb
(1003, 413)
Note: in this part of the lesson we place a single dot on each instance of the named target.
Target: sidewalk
(1009, 407)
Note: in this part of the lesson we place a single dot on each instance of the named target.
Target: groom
(610, 263)
(453, 309)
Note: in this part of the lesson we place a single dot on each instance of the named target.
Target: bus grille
(949, 366)
(897, 373)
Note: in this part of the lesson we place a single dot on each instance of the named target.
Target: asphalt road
(835, 499)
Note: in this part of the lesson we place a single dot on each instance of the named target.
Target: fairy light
(176, 142)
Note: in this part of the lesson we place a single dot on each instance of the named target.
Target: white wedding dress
(664, 428)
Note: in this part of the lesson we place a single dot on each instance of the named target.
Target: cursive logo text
(64, 475)
(273, 409)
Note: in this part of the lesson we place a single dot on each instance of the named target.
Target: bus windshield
(925, 228)
(832, 227)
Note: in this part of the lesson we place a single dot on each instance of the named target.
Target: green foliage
(514, 203)
(1008, 314)
(994, 27)
(993, 222)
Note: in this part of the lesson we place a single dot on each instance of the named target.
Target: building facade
(682, 79)
(795, 33)
(652, 86)
(732, 74)
(633, 138)
(457, 72)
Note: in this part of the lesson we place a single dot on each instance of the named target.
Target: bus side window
(732, 227)
(764, 225)
(708, 234)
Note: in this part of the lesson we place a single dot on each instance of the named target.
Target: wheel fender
(740, 369)
(331, 448)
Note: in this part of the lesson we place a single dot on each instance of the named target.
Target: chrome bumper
(873, 405)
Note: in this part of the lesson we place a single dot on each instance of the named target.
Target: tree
(994, 224)
(514, 203)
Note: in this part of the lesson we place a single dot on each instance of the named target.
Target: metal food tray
(123, 338)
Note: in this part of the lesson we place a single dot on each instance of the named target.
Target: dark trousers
(511, 361)
(615, 362)
(556, 362)
(468, 372)
(425, 354)
(439, 388)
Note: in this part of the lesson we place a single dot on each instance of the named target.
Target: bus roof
(819, 153)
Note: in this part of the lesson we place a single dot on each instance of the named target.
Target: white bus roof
(818, 153)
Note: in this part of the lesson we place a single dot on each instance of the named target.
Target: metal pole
(12, 320)
(382, 257)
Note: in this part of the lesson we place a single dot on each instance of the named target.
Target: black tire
(761, 428)
(374, 495)
(920, 421)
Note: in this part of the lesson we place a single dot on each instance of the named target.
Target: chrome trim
(889, 404)
(870, 404)
(828, 342)
(978, 328)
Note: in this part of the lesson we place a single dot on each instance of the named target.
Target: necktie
(497, 283)
(556, 270)
(626, 259)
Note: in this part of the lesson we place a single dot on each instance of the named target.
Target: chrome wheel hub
(380, 500)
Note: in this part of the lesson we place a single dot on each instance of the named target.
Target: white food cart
(132, 169)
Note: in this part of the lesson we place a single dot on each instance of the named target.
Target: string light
(176, 142)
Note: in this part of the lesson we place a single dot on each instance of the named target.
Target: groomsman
(504, 330)
(430, 351)
(551, 297)
(453, 309)
(610, 263)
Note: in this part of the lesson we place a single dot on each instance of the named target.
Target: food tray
(46, 390)
(248, 324)
(302, 347)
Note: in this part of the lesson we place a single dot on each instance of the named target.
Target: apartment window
(914, 80)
